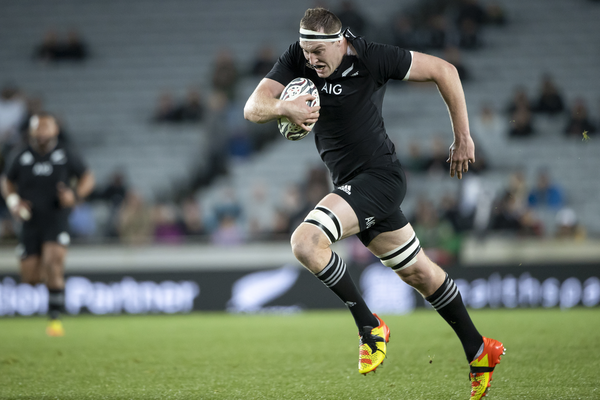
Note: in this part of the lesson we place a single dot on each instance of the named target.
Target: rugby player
(351, 75)
(38, 191)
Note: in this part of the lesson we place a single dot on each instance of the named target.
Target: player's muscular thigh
(345, 214)
(331, 220)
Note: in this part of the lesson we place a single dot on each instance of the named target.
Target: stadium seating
(140, 48)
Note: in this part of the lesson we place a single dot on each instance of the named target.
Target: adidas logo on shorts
(370, 221)
(346, 188)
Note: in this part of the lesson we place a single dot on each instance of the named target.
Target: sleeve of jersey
(76, 164)
(12, 170)
(288, 66)
(388, 62)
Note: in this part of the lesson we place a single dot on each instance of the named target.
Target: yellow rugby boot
(55, 328)
(483, 366)
(372, 349)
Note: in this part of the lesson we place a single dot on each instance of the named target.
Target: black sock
(336, 277)
(447, 301)
(56, 302)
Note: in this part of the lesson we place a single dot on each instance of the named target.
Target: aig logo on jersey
(332, 89)
(42, 169)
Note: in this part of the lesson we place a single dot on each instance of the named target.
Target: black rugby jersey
(36, 177)
(350, 134)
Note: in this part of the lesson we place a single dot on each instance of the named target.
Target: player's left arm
(426, 68)
(70, 197)
(85, 185)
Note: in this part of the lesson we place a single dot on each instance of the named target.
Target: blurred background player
(39, 192)
(351, 74)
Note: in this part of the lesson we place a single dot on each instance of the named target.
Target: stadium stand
(136, 53)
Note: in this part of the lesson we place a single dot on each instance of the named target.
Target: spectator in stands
(263, 62)
(469, 36)
(228, 205)
(166, 109)
(259, 212)
(437, 235)
(550, 100)
(240, 142)
(546, 193)
(315, 186)
(135, 220)
(352, 18)
(167, 228)
(530, 224)
(191, 218)
(225, 74)
(471, 16)
(521, 124)
(82, 223)
(290, 212)
(520, 100)
(437, 31)
(415, 161)
(280, 230)
(451, 212)
(508, 217)
(453, 56)
(471, 10)
(568, 226)
(404, 35)
(73, 48)
(13, 111)
(517, 188)
(437, 161)
(579, 122)
(192, 107)
(488, 127)
(228, 232)
(114, 193)
(50, 49)
(495, 15)
(216, 162)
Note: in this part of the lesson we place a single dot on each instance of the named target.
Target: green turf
(551, 355)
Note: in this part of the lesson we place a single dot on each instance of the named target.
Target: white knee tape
(324, 219)
(402, 256)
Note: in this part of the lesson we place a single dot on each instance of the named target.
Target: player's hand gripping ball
(295, 88)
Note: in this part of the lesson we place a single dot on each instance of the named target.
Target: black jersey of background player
(350, 133)
(37, 176)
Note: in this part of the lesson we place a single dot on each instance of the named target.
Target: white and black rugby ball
(295, 88)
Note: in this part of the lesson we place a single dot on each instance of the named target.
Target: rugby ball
(295, 88)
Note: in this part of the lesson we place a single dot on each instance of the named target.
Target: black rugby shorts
(35, 233)
(375, 195)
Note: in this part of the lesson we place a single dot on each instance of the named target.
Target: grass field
(550, 355)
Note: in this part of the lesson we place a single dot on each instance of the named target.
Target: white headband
(313, 36)
(34, 122)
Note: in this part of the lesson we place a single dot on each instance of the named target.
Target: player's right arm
(18, 207)
(264, 105)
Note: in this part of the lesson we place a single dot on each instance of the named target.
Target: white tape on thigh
(327, 221)
(402, 256)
